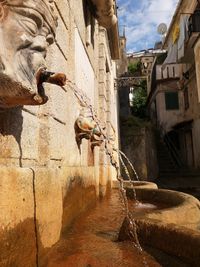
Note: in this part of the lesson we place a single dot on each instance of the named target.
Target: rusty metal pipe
(45, 76)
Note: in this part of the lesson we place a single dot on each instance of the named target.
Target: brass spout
(44, 76)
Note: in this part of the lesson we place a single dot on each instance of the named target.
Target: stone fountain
(27, 28)
(173, 227)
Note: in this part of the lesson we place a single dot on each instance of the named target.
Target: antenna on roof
(162, 28)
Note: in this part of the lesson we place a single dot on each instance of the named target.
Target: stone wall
(138, 143)
(45, 180)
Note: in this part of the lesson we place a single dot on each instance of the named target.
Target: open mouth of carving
(32, 66)
(24, 86)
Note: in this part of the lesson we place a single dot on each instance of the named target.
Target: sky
(141, 19)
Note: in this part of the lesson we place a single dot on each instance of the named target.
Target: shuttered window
(171, 100)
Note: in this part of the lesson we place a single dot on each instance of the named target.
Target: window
(171, 100)
(186, 98)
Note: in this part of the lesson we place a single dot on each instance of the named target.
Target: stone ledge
(173, 229)
(180, 209)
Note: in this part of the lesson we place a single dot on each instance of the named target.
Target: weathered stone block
(64, 10)
(79, 192)
(49, 209)
(16, 193)
(29, 136)
(17, 225)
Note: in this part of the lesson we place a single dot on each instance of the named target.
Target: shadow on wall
(11, 123)
(78, 199)
(18, 245)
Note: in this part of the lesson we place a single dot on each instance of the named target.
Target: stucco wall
(168, 118)
(45, 180)
(192, 112)
(197, 64)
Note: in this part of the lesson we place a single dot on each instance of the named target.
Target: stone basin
(136, 184)
(174, 228)
(179, 208)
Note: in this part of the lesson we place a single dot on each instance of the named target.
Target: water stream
(130, 164)
(111, 152)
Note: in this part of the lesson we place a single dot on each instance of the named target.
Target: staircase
(171, 168)
(175, 177)
(170, 160)
(167, 165)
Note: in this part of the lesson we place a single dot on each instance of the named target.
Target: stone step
(168, 168)
(175, 175)
(180, 172)
(165, 163)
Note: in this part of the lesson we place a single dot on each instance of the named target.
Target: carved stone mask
(27, 28)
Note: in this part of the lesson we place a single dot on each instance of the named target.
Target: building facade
(174, 97)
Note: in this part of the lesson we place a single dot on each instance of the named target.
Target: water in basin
(91, 241)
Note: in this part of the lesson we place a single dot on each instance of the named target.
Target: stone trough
(174, 227)
(136, 184)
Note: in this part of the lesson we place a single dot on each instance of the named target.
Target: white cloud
(142, 19)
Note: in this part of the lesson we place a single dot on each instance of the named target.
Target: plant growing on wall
(139, 98)
(134, 68)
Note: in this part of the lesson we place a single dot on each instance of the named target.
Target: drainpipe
(105, 11)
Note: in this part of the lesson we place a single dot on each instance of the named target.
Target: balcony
(192, 34)
(171, 71)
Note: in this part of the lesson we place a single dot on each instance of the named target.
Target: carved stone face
(27, 28)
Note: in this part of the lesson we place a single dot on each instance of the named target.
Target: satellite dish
(162, 28)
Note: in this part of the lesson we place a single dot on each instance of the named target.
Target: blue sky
(141, 19)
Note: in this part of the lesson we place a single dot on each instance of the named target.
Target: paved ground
(189, 185)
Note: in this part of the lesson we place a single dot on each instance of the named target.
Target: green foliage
(132, 126)
(134, 67)
(133, 122)
(139, 98)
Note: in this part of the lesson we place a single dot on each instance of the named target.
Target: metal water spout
(14, 93)
(45, 76)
